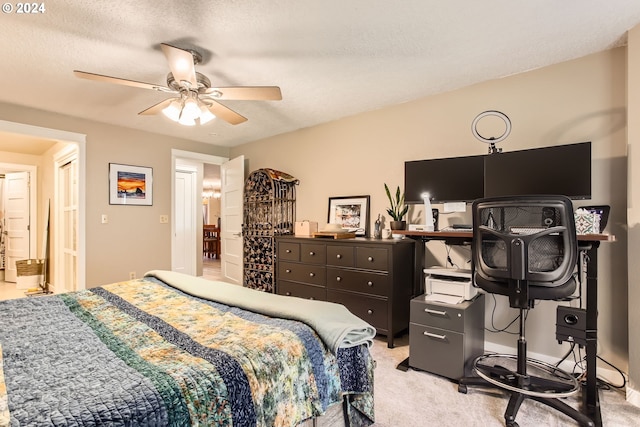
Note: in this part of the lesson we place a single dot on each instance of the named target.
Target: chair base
(494, 372)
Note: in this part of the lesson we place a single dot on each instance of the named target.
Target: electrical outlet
(132, 275)
(164, 219)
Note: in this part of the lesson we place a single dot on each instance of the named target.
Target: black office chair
(525, 248)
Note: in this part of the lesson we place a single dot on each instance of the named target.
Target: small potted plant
(397, 210)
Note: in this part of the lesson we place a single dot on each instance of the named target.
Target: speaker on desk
(435, 214)
(571, 325)
(548, 217)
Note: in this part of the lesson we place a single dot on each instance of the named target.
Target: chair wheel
(512, 424)
(462, 388)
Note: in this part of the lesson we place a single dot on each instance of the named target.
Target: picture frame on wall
(352, 212)
(130, 185)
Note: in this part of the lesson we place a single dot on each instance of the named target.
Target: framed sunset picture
(130, 185)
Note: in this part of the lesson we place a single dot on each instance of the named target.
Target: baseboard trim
(633, 396)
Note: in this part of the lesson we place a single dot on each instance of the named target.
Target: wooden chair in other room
(211, 241)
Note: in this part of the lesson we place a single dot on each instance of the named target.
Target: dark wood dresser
(373, 278)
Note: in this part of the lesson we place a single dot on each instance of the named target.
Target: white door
(232, 176)
(184, 244)
(67, 230)
(16, 221)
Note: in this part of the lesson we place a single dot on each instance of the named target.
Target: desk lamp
(428, 213)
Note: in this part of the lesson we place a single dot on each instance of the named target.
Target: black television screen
(562, 169)
(455, 179)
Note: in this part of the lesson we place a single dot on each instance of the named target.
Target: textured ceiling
(331, 58)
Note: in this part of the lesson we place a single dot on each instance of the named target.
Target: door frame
(60, 159)
(80, 141)
(190, 156)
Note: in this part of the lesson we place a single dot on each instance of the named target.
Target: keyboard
(466, 227)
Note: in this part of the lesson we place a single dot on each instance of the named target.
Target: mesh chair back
(524, 238)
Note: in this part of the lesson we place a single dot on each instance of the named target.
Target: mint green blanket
(335, 325)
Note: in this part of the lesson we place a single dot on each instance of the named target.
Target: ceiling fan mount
(196, 99)
(202, 80)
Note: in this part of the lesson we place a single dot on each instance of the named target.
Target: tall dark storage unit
(269, 211)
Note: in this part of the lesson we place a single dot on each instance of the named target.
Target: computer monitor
(561, 169)
(455, 179)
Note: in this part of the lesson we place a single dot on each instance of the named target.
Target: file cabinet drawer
(436, 350)
(444, 316)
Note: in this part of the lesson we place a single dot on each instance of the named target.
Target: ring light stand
(491, 140)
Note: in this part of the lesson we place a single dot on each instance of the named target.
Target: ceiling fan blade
(155, 109)
(225, 113)
(116, 80)
(245, 93)
(181, 64)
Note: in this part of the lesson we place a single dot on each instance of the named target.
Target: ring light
(493, 139)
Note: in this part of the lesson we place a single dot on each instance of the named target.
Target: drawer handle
(440, 337)
(370, 283)
(439, 313)
(288, 294)
(288, 251)
(369, 311)
(312, 253)
(288, 271)
(312, 274)
(338, 278)
(370, 259)
(339, 256)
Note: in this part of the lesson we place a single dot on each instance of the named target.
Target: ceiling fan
(194, 98)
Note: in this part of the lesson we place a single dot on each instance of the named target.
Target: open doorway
(187, 214)
(56, 143)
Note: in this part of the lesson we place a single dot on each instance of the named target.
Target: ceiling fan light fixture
(172, 111)
(205, 115)
(186, 121)
(191, 110)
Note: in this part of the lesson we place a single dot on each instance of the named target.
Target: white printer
(449, 285)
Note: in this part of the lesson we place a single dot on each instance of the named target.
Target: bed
(175, 350)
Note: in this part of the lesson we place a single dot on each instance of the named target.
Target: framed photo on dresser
(352, 212)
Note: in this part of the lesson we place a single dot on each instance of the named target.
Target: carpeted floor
(418, 399)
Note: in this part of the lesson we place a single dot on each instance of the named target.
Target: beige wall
(134, 239)
(580, 100)
(633, 113)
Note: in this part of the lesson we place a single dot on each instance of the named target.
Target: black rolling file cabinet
(445, 339)
(373, 278)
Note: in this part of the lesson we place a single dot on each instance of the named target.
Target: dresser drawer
(436, 350)
(358, 281)
(306, 273)
(443, 316)
(372, 258)
(289, 251)
(370, 309)
(300, 290)
(340, 255)
(313, 253)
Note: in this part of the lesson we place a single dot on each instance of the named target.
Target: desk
(587, 243)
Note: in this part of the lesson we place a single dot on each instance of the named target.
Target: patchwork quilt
(145, 353)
